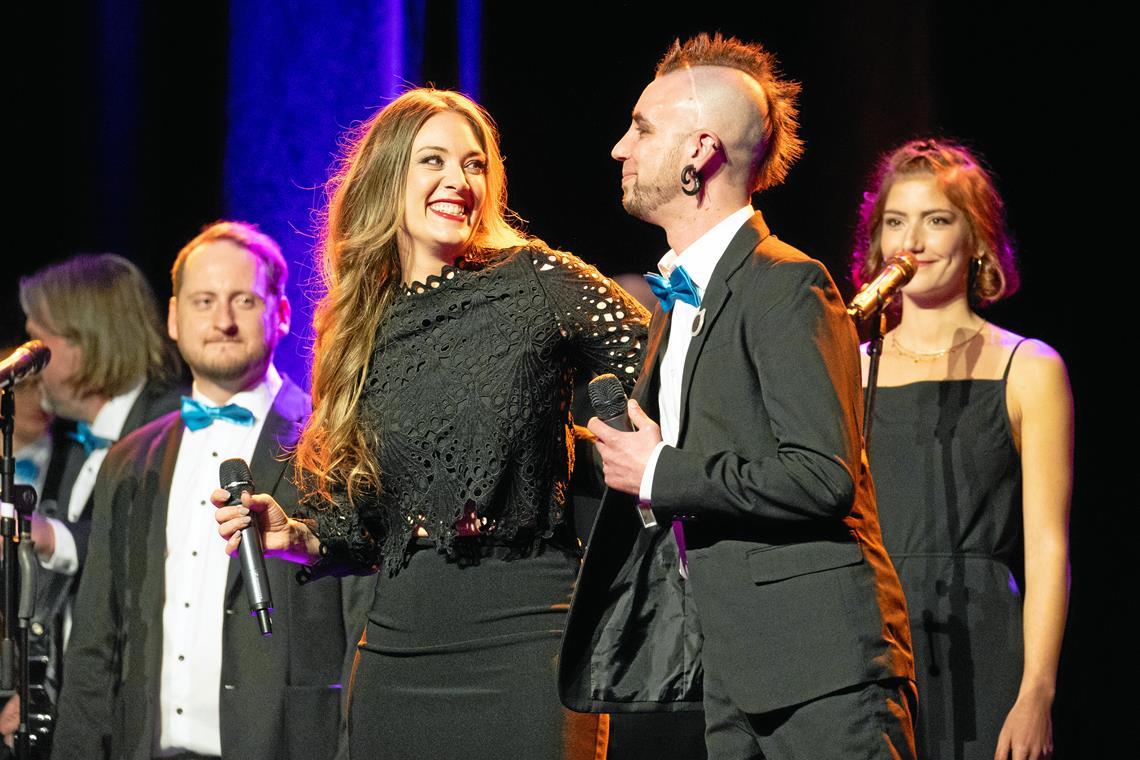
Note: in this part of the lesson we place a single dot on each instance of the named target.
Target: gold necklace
(930, 356)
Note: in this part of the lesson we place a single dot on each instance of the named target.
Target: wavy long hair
(360, 272)
(966, 183)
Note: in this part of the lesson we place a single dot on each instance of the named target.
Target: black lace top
(468, 398)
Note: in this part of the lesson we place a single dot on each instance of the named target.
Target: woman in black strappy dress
(971, 451)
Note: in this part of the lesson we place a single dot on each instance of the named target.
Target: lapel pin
(698, 323)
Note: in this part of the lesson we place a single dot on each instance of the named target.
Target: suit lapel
(714, 299)
(74, 458)
(145, 553)
(645, 390)
(137, 415)
(145, 525)
(172, 441)
(279, 433)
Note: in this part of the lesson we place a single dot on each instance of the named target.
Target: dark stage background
(139, 122)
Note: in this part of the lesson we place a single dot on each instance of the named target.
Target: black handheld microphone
(235, 477)
(26, 360)
(610, 403)
(611, 406)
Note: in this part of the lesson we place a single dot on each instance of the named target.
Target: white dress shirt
(196, 570)
(699, 260)
(108, 423)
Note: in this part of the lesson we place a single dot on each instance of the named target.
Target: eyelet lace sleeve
(605, 324)
(347, 548)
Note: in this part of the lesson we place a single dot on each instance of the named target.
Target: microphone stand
(870, 305)
(18, 566)
(874, 351)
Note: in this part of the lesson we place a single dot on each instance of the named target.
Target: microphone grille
(906, 261)
(607, 396)
(234, 471)
(41, 354)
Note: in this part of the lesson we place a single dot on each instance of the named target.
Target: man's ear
(172, 318)
(706, 149)
(284, 316)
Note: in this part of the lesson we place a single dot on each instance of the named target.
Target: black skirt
(459, 660)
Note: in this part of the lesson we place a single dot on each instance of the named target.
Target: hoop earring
(690, 176)
(973, 272)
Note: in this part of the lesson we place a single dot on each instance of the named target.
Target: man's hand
(43, 535)
(625, 455)
(10, 719)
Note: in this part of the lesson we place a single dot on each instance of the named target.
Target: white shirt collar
(701, 257)
(108, 423)
(258, 399)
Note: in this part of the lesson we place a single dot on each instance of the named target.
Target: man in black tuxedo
(164, 659)
(763, 593)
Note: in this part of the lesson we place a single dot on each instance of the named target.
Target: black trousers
(872, 720)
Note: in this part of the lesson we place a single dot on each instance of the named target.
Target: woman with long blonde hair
(439, 450)
(972, 455)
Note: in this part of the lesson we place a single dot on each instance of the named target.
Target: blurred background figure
(32, 447)
(31, 435)
(111, 371)
(636, 286)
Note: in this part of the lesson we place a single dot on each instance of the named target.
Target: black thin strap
(1008, 364)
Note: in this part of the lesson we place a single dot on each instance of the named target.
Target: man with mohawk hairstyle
(763, 594)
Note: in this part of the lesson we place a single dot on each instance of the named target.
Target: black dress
(948, 478)
(468, 397)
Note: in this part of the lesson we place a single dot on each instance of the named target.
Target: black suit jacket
(53, 590)
(790, 594)
(154, 400)
(279, 696)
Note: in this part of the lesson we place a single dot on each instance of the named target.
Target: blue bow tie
(26, 471)
(679, 287)
(197, 415)
(88, 440)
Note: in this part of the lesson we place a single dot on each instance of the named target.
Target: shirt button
(194, 553)
(215, 453)
(181, 657)
(186, 604)
(178, 710)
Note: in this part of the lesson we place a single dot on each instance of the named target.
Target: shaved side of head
(731, 104)
(751, 73)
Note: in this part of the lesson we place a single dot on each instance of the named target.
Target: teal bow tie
(679, 287)
(88, 440)
(197, 415)
(26, 471)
